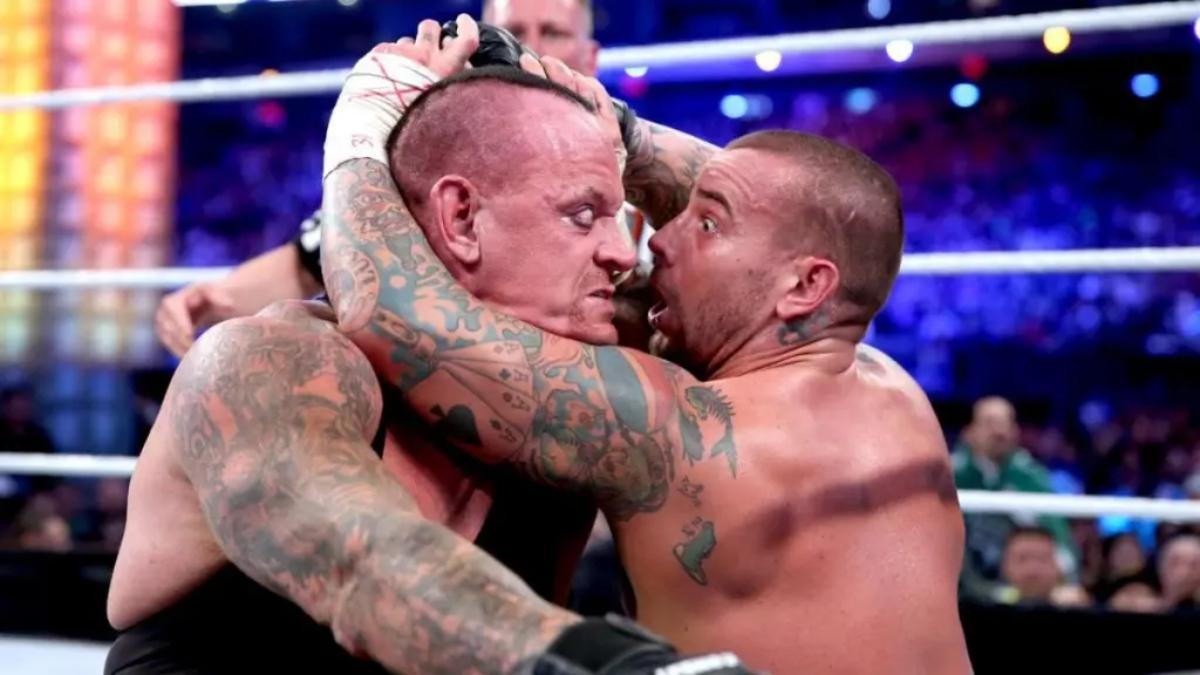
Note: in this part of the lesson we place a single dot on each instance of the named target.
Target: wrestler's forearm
(661, 169)
(267, 278)
(270, 425)
(568, 414)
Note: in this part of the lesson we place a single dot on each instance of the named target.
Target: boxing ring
(930, 42)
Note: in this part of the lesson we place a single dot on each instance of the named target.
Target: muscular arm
(272, 425)
(612, 423)
(273, 276)
(662, 167)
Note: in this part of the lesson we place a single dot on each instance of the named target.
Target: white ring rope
(46, 464)
(972, 501)
(965, 31)
(1166, 259)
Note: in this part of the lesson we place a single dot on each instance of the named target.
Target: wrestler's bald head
(489, 125)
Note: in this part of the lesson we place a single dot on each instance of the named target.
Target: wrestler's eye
(708, 225)
(585, 217)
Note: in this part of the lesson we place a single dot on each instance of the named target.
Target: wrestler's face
(1030, 566)
(712, 263)
(549, 241)
(558, 28)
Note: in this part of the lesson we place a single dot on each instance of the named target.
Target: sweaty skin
(797, 507)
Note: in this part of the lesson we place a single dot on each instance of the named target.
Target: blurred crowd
(1121, 563)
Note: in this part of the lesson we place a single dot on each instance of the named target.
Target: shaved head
(476, 124)
(836, 203)
(516, 186)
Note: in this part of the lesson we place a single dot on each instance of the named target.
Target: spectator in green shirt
(988, 457)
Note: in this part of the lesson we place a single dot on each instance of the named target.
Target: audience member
(1179, 572)
(1132, 595)
(987, 457)
(1031, 572)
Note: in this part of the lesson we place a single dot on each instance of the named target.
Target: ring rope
(963, 31)
(1164, 259)
(972, 501)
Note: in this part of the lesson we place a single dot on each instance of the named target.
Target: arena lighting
(964, 94)
(768, 61)
(637, 71)
(879, 9)
(1144, 85)
(735, 106)
(899, 50)
(963, 33)
(1056, 39)
(1196, 29)
(205, 3)
(860, 100)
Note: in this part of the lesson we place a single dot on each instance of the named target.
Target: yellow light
(24, 214)
(26, 79)
(268, 72)
(113, 127)
(22, 126)
(1056, 39)
(22, 172)
(29, 42)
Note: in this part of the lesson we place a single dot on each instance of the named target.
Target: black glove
(308, 245)
(498, 47)
(616, 646)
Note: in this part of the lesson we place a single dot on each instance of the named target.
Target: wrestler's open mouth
(656, 313)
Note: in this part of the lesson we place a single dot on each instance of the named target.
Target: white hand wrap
(374, 97)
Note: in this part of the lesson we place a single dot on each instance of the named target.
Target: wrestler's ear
(809, 283)
(455, 202)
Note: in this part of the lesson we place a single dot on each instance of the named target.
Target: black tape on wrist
(596, 644)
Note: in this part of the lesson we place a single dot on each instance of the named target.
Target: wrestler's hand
(590, 89)
(385, 82)
(192, 308)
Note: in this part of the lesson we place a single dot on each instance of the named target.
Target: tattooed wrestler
(284, 518)
(791, 499)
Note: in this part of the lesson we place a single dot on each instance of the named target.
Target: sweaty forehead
(749, 179)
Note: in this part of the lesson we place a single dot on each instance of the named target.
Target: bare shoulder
(286, 355)
(873, 361)
(312, 313)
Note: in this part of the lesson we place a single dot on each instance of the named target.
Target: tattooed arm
(272, 424)
(602, 420)
(662, 167)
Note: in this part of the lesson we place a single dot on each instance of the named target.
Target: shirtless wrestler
(793, 499)
(265, 535)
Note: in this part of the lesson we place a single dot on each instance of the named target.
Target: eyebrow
(716, 197)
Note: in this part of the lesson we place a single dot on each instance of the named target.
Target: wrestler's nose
(660, 246)
(615, 253)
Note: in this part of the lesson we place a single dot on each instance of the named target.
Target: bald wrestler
(795, 502)
(557, 28)
(265, 535)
